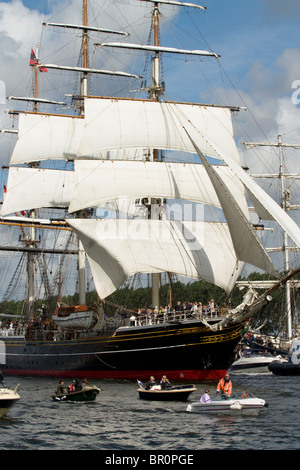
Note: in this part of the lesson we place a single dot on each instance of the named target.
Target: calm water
(119, 420)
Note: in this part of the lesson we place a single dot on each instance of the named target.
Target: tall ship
(111, 169)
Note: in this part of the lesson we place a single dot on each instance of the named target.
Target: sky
(258, 41)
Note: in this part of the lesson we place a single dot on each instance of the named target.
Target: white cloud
(18, 26)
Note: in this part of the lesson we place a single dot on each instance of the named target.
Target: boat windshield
(236, 395)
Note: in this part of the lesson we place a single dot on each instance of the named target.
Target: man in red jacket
(225, 386)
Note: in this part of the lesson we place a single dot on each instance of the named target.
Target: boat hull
(76, 320)
(236, 406)
(185, 351)
(180, 393)
(252, 365)
(85, 395)
(284, 368)
(7, 399)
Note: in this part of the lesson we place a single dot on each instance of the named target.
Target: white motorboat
(7, 399)
(239, 403)
(253, 361)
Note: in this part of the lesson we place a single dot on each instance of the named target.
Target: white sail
(44, 137)
(32, 188)
(137, 124)
(111, 180)
(246, 244)
(264, 205)
(117, 249)
(140, 124)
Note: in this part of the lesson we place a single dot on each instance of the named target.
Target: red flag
(4, 189)
(34, 61)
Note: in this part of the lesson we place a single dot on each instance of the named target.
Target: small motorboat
(173, 393)
(7, 399)
(253, 361)
(85, 395)
(238, 403)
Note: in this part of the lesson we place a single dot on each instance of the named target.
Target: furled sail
(33, 188)
(136, 124)
(117, 249)
(110, 180)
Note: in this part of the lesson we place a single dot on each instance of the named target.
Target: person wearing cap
(225, 386)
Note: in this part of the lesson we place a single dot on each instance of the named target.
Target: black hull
(284, 368)
(185, 351)
(80, 396)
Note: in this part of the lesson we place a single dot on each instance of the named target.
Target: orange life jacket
(225, 387)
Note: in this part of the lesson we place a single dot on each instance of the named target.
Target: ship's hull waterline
(187, 351)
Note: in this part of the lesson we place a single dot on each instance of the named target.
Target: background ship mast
(285, 204)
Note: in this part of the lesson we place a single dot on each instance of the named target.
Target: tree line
(134, 298)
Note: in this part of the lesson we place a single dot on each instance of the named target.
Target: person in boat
(85, 383)
(225, 387)
(164, 383)
(75, 386)
(71, 387)
(205, 397)
(78, 385)
(151, 383)
(1, 380)
(61, 388)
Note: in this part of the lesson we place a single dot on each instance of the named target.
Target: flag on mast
(34, 61)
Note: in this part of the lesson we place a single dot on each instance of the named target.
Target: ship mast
(83, 91)
(156, 92)
(285, 196)
(31, 242)
(155, 206)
